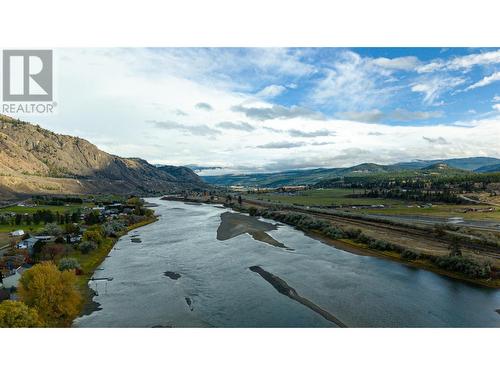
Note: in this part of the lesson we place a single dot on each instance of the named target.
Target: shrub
(464, 265)
(52, 251)
(87, 246)
(334, 233)
(71, 228)
(252, 211)
(59, 240)
(52, 229)
(352, 233)
(93, 235)
(409, 255)
(68, 264)
(113, 228)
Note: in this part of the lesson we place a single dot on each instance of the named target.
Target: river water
(215, 287)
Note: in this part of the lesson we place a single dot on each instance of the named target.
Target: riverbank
(90, 262)
(360, 248)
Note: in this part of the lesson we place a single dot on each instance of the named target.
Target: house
(17, 233)
(45, 238)
(28, 244)
(13, 279)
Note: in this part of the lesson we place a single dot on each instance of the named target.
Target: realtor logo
(27, 76)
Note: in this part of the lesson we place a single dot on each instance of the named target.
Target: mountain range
(314, 176)
(34, 160)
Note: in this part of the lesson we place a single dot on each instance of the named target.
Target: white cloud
(431, 67)
(204, 106)
(468, 61)
(243, 126)
(271, 91)
(405, 115)
(198, 130)
(311, 134)
(399, 114)
(485, 81)
(464, 63)
(496, 98)
(436, 141)
(432, 88)
(352, 83)
(277, 112)
(372, 116)
(281, 144)
(400, 63)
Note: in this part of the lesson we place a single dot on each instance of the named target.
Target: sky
(246, 110)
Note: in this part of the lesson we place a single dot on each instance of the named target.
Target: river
(175, 273)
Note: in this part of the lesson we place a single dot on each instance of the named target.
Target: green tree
(87, 246)
(53, 229)
(93, 235)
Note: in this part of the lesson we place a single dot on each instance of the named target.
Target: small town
(73, 234)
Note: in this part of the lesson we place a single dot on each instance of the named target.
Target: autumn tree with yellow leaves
(52, 293)
(15, 314)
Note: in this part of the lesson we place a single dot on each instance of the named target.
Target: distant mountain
(443, 168)
(184, 174)
(368, 168)
(470, 164)
(295, 177)
(488, 168)
(35, 160)
(313, 176)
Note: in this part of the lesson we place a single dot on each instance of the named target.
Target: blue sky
(260, 109)
(381, 81)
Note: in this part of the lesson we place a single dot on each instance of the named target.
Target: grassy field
(6, 228)
(328, 197)
(4, 239)
(30, 210)
(323, 197)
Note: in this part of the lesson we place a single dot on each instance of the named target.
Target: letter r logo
(27, 75)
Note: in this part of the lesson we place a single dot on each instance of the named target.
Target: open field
(4, 239)
(5, 229)
(340, 197)
(30, 210)
(323, 197)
